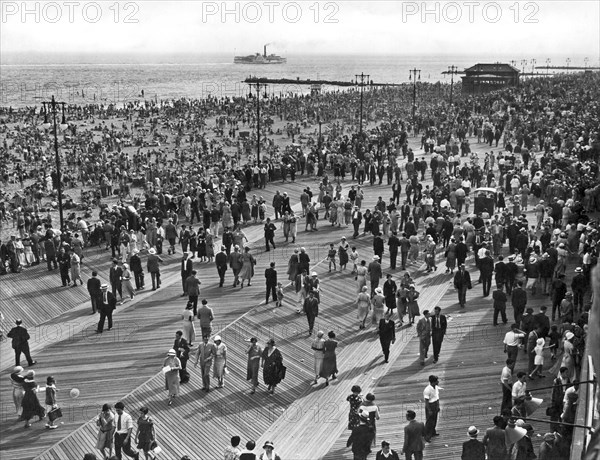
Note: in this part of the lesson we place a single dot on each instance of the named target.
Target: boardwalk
(304, 421)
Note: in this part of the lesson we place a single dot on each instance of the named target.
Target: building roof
(492, 68)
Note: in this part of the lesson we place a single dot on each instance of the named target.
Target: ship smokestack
(265, 51)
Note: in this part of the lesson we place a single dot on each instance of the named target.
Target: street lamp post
(53, 106)
(452, 70)
(413, 73)
(585, 62)
(533, 62)
(568, 62)
(523, 64)
(258, 87)
(362, 77)
(548, 61)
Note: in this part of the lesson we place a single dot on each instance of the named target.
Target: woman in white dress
(317, 346)
(171, 367)
(361, 275)
(220, 361)
(189, 330)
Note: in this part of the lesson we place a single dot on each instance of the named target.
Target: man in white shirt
(506, 383)
(512, 340)
(431, 395)
(519, 389)
(123, 433)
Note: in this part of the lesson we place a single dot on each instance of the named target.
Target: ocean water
(118, 79)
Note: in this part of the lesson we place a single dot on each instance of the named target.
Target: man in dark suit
(519, 301)
(93, 287)
(356, 220)
(499, 304)
(393, 244)
(438, 331)
(486, 271)
(114, 276)
(106, 305)
(221, 262)
(413, 437)
(473, 449)
(361, 438)
(182, 348)
(186, 271)
(404, 214)
(20, 343)
(462, 282)
(378, 246)
(271, 280)
(269, 234)
(311, 308)
(542, 322)
(461, 251)
(389, 292)
(387, 334)
(500, 270)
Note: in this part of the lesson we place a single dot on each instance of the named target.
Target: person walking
(51, 401)
(206, 316)
(182, 347)
(126, 282)
(192, 286)
(106, 431)
(361, 438)
(20, 343)
(272, 365)
(247, 270)
(269, 231)
(412, 306)
(462, 282)
(424, 334)
(235, 263)
(374, 271)
(30, 404)
(387, 334)
(311, 309)
(171, 367)
(152, 265)
(115, 276)
(220, 361)
(439, 324)
(205, 355)
(372, 409)
(506, 384)
(16, 380)
(94, 290)
(486, 272)
(271, 282)
(414, 432)
(135, 263)
(355, 400)
(431, 395)
(494, 440)
(363, 303)
(108, 303)
(500, 299)
(317, 346)
(386, 453)
(186, 270)
(329, 366)
(221, 260)
(145, 435)
(254, 353)
(123, 433)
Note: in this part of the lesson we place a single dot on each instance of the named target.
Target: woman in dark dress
(31, 404)
(343, 253)
(145, 436)
(193, 243)
(329, 367)
(202, 244)
(272, 364)
(500, 204)
(293, 266)
(368, 217)
(355, 401)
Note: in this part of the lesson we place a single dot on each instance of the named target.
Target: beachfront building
(487, 77)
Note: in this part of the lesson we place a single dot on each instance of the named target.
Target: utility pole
(362, 77)
(452, 70)
(53, 107)
(413, 76)
(258, 87)
(533, 62)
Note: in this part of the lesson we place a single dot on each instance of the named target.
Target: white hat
(171, 352)
(375, 257)
(314, 274)
(151, 251)
(217, 338)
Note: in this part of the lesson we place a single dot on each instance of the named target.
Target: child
(279, 292)
(331, 257)
(50, 400)
(539, 359)
(554, 340)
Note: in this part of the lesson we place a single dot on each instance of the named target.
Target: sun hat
(152, 251)
(171, 352)
(217, 338)
(268, 444)
(473, 431)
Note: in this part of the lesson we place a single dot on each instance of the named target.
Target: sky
(502, 28)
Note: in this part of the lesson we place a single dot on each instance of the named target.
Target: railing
(586, 410)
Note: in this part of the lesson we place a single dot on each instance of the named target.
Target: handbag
(55, 413)
(282, 372)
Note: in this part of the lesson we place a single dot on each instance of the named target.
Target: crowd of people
(543, 181)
